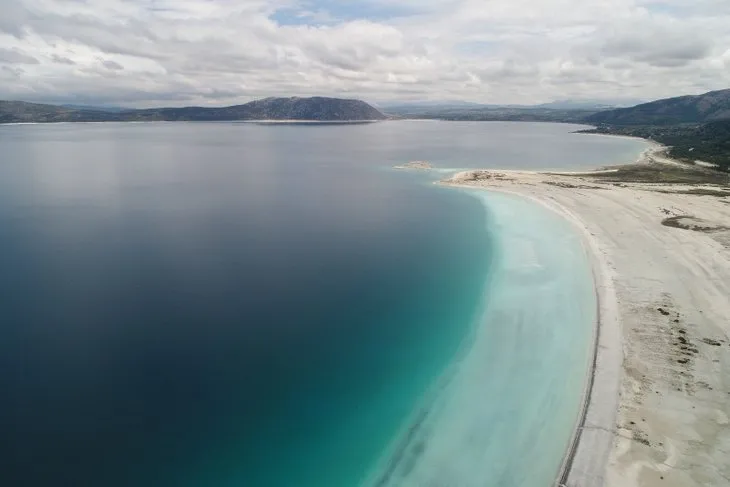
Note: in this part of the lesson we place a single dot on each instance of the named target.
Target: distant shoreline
(259, 122)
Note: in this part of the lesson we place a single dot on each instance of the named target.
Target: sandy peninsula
(658, 404)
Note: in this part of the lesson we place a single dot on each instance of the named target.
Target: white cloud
(16, 56)
(147, 52)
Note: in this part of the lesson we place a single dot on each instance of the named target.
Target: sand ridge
(667, 424)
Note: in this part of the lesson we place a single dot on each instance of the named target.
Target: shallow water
(230, 304)
(504, 413)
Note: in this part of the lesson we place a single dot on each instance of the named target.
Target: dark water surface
(222, 304)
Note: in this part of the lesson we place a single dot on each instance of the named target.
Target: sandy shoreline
(660, 397)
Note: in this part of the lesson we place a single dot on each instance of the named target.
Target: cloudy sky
(216, 52)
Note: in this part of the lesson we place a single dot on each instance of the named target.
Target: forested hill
(711, 106)
(709, 142)
(313, 109)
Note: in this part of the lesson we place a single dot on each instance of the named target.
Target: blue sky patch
(321, 12)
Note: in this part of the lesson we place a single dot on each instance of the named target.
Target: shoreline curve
(587, 457)
(657, 412)
(593, 431)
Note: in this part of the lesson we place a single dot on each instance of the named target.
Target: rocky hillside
(711, 106)
(316, 109)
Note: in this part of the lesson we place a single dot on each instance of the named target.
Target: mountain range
(696, 109)
(315, 109)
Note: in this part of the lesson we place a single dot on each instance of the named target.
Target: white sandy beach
(659, 408)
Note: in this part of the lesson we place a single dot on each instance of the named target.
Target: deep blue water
(229, 304)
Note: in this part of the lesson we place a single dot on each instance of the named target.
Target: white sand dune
(658, 413)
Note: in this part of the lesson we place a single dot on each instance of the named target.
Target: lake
(235, 304)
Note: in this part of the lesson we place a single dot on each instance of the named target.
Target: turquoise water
(225, 304)
(504, 412)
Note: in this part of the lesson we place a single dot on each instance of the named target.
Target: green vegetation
(709, 142)
(665, 174)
